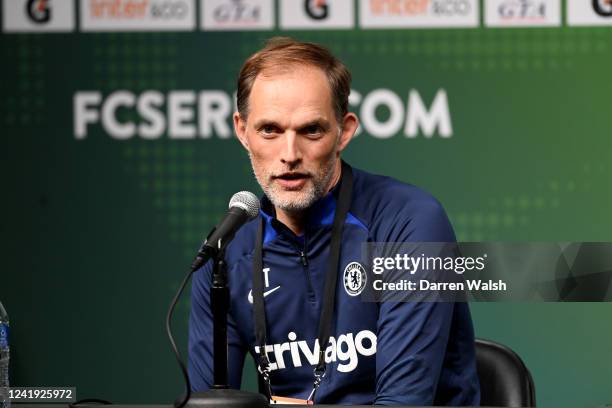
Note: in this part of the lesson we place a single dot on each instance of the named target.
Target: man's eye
(313, 130)
(268, 130)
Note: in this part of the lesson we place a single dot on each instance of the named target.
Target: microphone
(243, 207)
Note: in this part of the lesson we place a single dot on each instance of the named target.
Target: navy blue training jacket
(388, 353)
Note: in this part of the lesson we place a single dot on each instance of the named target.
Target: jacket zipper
(304, 259)
(302, 251)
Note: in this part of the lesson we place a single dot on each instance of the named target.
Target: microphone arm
(204, 254)
(220, 236)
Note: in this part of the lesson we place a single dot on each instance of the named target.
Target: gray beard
(305, 198)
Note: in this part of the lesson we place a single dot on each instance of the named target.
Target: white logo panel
(236, 15)
(37, 15)
(137, 15)
(522, 13)
(418, 13)
(309, 14)
(589, 12)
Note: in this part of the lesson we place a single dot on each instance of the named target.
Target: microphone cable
(175, 349)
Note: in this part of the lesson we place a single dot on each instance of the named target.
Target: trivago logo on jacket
(345, 350)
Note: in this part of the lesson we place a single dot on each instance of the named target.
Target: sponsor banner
(418, 13)
(309, 14)
(522, 13)
(37, 16)
(137, 15)
(589, 12)
(236, 15)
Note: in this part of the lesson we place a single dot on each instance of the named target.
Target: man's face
(292, 136)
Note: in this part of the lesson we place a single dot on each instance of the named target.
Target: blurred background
(118, 157)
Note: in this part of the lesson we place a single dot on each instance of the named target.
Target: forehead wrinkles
(273, 80)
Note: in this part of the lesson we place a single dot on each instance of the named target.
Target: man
(293, 120)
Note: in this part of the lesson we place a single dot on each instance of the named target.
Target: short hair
(281, 52)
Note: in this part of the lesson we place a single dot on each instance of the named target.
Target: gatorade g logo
(603, 7)
(316, 9)
(39, 11)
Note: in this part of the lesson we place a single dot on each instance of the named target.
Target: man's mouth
(292, 180)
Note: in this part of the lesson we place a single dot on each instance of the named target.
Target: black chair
(505, 381)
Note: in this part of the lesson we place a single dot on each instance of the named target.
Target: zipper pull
(303, 257)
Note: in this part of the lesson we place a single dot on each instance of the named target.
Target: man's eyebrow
(266, 122)
(316, 122)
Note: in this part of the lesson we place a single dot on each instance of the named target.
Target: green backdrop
(97, 233)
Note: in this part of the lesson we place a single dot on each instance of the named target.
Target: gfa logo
(267, 283)
(39, 11)
(316, 9)
(522, 9)
(603, 7)
(237, 11)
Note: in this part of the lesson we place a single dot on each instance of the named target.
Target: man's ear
(240, 129)
(349, 127)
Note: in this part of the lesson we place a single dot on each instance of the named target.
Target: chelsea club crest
(354, 278)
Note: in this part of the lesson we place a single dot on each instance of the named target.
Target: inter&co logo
(420, 7)
(137, 15)
(418, 13)
(138, 9)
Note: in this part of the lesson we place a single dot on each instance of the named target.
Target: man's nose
(291, 151)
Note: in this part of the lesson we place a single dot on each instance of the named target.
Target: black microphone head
(246, 201)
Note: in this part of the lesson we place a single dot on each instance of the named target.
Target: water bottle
(5, 402)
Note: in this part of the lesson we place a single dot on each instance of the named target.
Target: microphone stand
(220, 395)
(219, 304)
